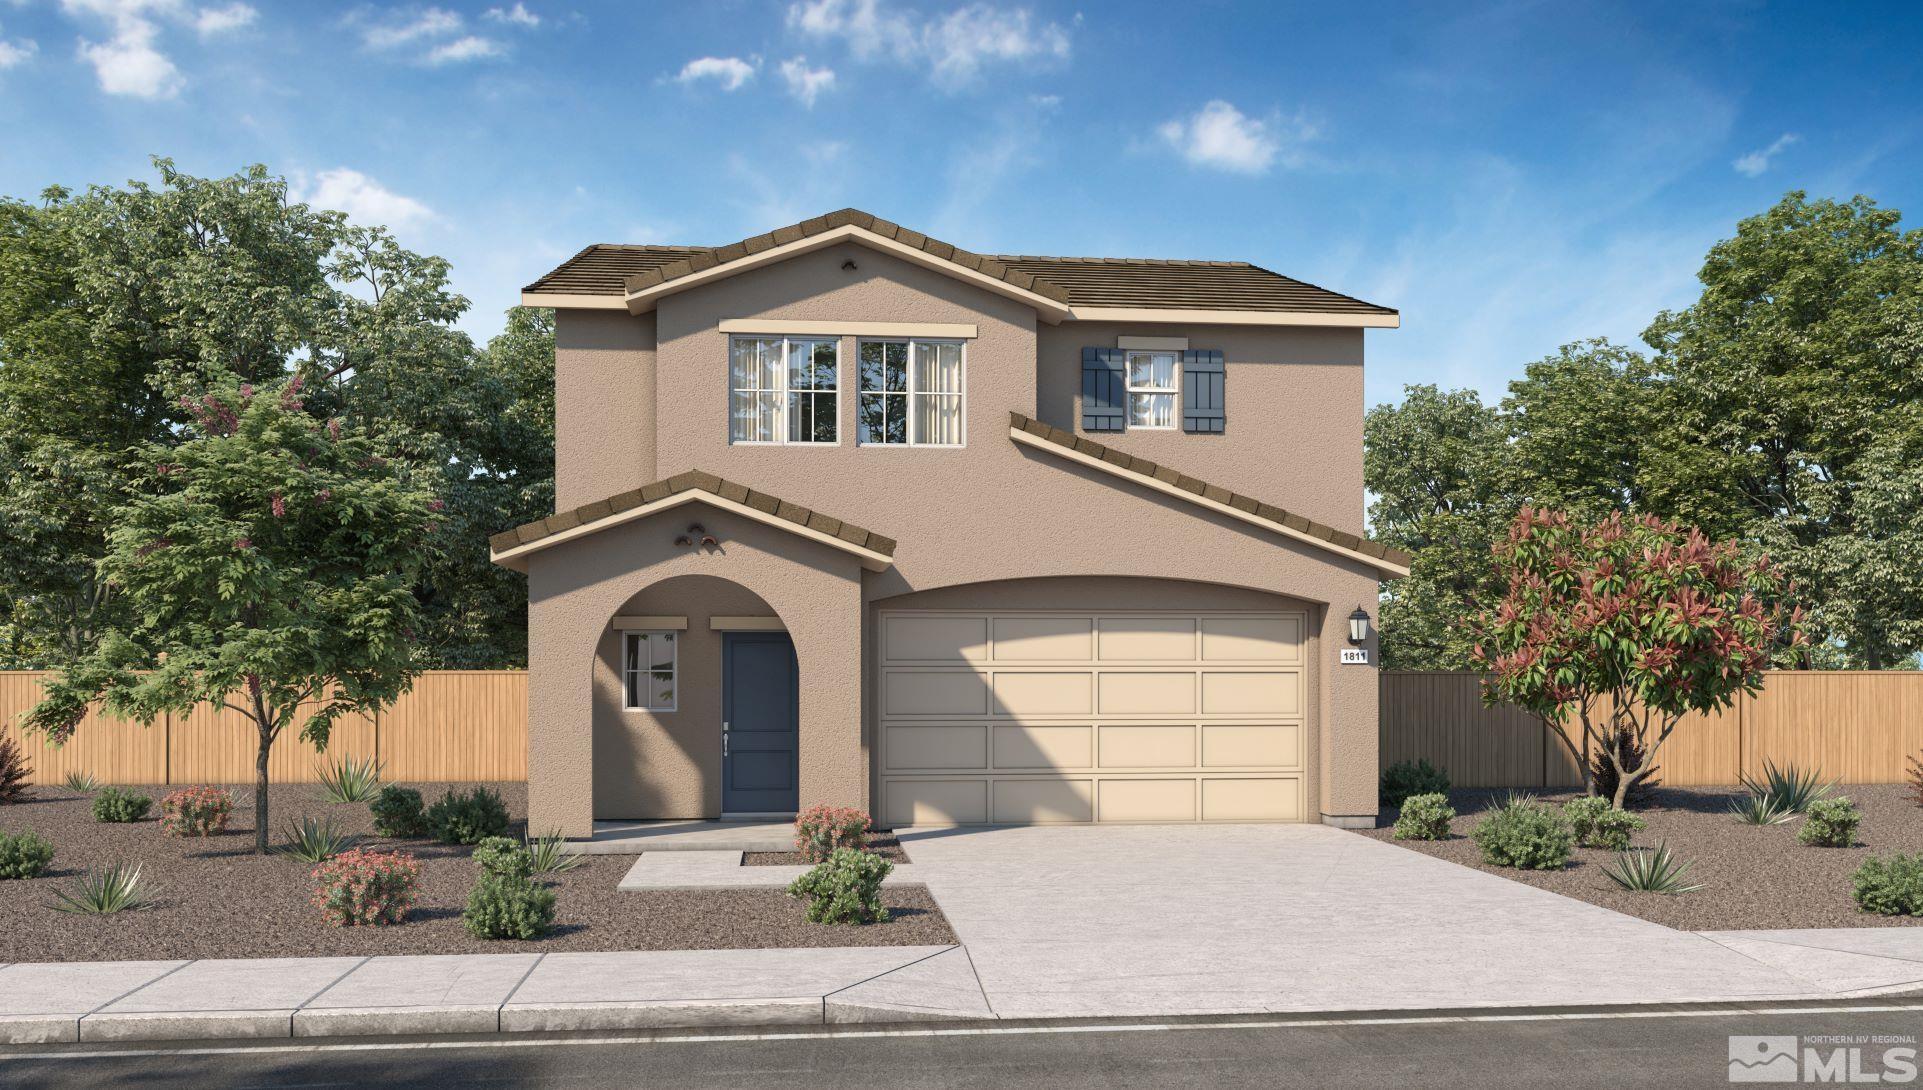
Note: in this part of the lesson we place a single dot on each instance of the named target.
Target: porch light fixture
(1358, 625)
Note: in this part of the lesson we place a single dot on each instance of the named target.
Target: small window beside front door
(647, 670)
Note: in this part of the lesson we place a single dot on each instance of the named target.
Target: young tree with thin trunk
(1629, 624)
(267, 564)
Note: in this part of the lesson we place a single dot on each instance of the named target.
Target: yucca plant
(1791, 788)
(1760, 810)
(1649, 872)
(551, 855)
(114, 888)
(86, 783)
(350, 780)
(314, 841)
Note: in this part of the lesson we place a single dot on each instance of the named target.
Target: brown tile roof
(691, 481)
(1075, 281)
(1142, 466)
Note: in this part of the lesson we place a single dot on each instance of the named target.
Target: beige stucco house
(850, 515)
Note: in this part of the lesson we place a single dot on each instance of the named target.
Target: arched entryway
(697, 705)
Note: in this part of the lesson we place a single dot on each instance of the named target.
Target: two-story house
(849, 515)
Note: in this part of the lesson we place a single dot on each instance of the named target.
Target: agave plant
(551, 855)
(1512, 798)
(1789, 787)
(1760, 810)
(115, 888)
(1649, 872)
(86, 783)
(314, 841)
(350, 780)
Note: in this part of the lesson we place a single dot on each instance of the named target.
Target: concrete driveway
(1172, 919)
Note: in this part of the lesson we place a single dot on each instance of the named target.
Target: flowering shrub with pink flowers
(196, 811)
(360, 888)
(819, 830)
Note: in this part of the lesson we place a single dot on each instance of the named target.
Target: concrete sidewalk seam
(329, 986)
(516, 990)
(825, 996)
(1756, 936)
(977, 974)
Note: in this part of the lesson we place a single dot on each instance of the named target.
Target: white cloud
(1221, 137)
(420, 26)
(469, 48)
(128, 63)
(212, 21)
(365, 200)
(954, 47)
(1756, 162)
(806, 83)
(16, 52)
(732, 73)
(517, 15)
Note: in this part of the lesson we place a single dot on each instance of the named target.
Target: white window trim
(1129, 390)
(781, 417)
(913, 389)
(674, 670)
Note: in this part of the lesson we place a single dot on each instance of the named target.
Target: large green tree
(266, 562)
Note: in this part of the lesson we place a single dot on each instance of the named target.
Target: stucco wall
(667, 764)
(603, 404)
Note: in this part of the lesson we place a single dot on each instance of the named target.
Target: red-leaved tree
(1627, 625)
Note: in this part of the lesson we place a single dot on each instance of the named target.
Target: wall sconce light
(684, 541)
(710, 543)
(1359, 626)
(848, 265)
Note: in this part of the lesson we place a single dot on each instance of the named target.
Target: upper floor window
(911, 393)
(783, 389)
(1154, 398)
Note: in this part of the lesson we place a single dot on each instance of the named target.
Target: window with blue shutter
(1104, 390)
(1204, 391)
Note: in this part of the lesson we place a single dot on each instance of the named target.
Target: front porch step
(635, 837)
(723, 870)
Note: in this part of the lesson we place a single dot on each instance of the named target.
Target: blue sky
(1511, 176)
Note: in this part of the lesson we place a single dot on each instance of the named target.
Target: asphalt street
(1664, 1050)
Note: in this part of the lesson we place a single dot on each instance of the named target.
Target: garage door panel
(1129, 746)
(1061, 716)
(934, 692)
(940, 746)
(1251, 693)
(1061, 747)
(1227, 745)
(1131, 693)
(1042, 639)
(1026, 802)
(1147, 800)
(1136, 639)
(1064, 693)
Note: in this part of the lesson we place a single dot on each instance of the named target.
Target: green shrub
(1406, 778)
(366, 889)
(467, 817)
(1529, 836)
(821, 829)
(1424, 817)
(845, 889)
(1598, 824)
(196, 811)
(1889, 887)
(1650, 872)
(120, 807)
(348, 780)
(398, 812)
(1830, 823)
(24, 855)
(500, 857)
(508, 908)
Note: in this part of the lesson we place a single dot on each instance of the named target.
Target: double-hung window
(1153, 390)
(911, 393)
(783, 389)
(647, 670)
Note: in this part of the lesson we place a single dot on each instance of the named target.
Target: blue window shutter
(1104, 390)
(1204, 391)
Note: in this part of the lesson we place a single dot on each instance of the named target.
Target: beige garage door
(1076, 717)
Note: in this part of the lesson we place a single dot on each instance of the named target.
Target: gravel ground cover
(1753, 877)
(213, 898)
(882, 844)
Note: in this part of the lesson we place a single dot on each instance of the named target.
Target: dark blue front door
(760, 714)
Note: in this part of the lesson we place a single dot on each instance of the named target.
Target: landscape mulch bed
(1753, 877)
(882, 844)
(213, 898)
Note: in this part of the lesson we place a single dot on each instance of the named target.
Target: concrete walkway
(686, 869)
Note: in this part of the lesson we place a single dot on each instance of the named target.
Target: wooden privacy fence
(453, 725)
(1852, 726)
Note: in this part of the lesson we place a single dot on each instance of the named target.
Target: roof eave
(572, 301)
(1196, 316)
